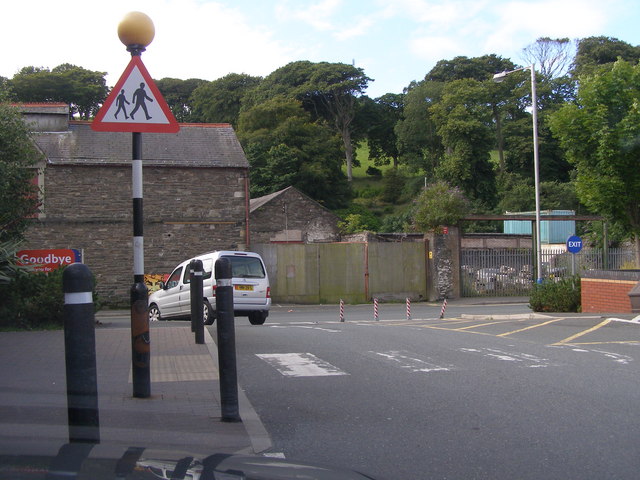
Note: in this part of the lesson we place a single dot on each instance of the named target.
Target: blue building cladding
(556, 231)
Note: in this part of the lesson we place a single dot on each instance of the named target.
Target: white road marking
(529, 361)
(329, 330)
(274, 455)
(406, 361)
(300, 365)
(616, 357)
(635, 320)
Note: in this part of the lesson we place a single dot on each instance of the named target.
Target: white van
(251, 290)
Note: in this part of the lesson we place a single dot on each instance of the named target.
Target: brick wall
(187, 211)
(600, 295)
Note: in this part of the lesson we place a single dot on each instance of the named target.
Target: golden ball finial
(136, 29)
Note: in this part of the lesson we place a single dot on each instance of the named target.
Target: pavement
(183, 412)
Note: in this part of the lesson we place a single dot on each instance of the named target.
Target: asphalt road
(488, 392)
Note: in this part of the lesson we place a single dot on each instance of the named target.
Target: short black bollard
(197, 300)
(226, 342)
(140, 341)
(80, 354)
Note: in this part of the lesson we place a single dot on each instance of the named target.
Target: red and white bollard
(408, 308)
(341, 310)
(375, 309)
(444, 307)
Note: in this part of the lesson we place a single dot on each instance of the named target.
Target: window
(246, 267)
(174, 279)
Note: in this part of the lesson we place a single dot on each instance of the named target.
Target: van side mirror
(162, 285)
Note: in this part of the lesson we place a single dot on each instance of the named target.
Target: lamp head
(136, 31)
(499, 77)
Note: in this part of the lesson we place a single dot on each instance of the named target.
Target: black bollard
(226, 342)
(191, 296)
(197, 300)
(140, 341)
(80, 354)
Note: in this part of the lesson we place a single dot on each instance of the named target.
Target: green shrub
(392, 185)
(561, 296)
(374, 172)
(34, 300)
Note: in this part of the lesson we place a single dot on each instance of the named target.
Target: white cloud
(319, 15)
(434, 48)
(523, 22)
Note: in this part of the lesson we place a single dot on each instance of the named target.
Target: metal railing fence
(509, 271)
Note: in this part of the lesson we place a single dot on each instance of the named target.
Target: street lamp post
(136, 31)
(499, 77)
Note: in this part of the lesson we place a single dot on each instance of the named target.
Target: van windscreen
(246, 267)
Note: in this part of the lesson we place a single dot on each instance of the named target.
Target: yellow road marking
(530, 327)
(619, 342)
(580, 334)
(482, 325)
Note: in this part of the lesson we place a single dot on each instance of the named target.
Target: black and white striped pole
(80, 355)
(136, 31)
(140, 341)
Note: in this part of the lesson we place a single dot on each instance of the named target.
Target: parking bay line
(584, 332)
(485, 324)
(530, 327)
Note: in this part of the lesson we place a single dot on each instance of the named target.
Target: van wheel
(208, 315)
(257, 318)
(154, 313)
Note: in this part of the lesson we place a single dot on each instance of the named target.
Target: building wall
(187, 211)
(293, 217)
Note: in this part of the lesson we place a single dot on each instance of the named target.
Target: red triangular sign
(135, 105)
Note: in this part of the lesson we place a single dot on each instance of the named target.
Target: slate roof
(256, 203)
(195, 145)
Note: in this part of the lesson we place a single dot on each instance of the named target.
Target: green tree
(177, 93)
(600, 133)
(380, 117)
(462, 120)
(18, 156)
(593, 52)
(284, 147)
(221, 100)
(462, 68)
(83, 90)
(327, 90)
(439, 205)
(419, 146)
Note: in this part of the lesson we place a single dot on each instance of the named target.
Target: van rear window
(246, 267)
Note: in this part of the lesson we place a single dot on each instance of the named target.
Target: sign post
(136, 105)
(574, 245)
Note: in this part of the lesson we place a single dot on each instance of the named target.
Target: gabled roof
(195, 145)
(256, 203)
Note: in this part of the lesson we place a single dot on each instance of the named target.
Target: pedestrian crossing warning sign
(135, 105)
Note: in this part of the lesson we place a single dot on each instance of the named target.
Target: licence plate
(245, 288)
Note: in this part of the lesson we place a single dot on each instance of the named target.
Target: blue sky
(394, 41)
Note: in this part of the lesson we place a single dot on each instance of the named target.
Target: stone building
(289, 216)
(195, 195)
